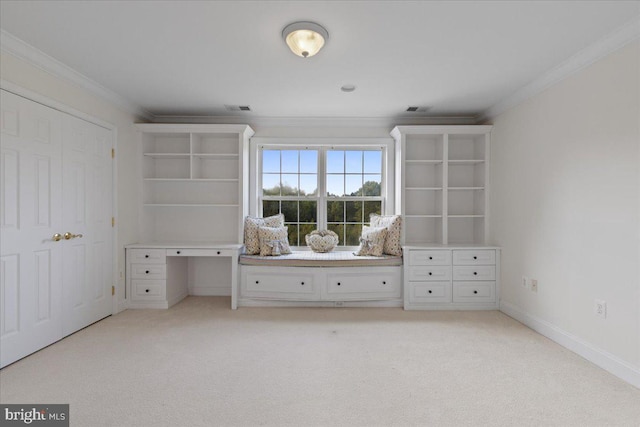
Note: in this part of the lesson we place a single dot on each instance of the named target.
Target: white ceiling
(191, 58)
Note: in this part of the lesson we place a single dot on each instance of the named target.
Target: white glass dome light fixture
(305, 39)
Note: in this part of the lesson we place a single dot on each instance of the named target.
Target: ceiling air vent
(237, 107)
(417, 109)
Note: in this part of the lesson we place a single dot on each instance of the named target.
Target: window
(290, 186)
(322, 188)
(354, 180)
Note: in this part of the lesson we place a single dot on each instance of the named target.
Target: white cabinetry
(442, 183)
(195, 185)
(320, 285)
(161, 274)
(463, 278)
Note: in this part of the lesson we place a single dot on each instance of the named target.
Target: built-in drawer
(474, 291)
(358, 286)
(147, 256)
(429, 273)
(474, 272)
(151, 290)
(417, 257)
(148, 271)
(429, 292)
(200, 252)
(279, 286)
(474, 257)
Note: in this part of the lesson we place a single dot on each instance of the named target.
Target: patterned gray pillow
(393, 223)
(372, 241)
(274, 241)
(251, 224)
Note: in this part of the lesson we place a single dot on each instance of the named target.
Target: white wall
(34, 79)
(566, 205)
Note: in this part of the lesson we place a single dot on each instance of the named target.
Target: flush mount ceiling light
(305, 39)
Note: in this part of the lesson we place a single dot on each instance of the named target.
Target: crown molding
(12, 45)
(598, 50)
(319, 122)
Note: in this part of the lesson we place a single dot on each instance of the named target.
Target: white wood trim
(487, 187)
(12, 45)
(48, 102)
(122, 306)
(153, 128)
(601, 358)
(114, 229)
(245, 302)
(445, 189)
(444, 129)
(598, 50)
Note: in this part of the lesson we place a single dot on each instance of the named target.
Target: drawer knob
(430, 273)
(475, 273)
(338, 283)
(257, 281)
(218, 252)
(178, 252)
(146, 272)
(302, 283)
(430, 291)
(475, 257)
(146, 290)
(475, 292)
(384, 283)
(146, 256)
(430, 257)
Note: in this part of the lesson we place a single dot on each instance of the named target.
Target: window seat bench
(333, 279)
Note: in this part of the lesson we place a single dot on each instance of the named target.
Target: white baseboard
(176, 299)
(122, 306)
(601, 358)
(246, 302)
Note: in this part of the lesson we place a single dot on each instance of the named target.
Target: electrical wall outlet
(339, 304)
(534, 285)
(600, 308)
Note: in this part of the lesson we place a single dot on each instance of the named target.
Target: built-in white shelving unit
(194, 182)
(442, 183)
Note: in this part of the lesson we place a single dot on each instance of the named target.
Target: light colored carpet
(201, 364)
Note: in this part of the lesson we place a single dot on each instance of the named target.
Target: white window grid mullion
(259, 211)
(322, 190)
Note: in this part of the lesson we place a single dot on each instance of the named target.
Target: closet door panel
(30, 215)
(87, 218)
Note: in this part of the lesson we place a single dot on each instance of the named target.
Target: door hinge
(113, 290)
(113, 221)
(113, 153)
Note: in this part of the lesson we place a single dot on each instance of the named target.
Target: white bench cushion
(316, 259)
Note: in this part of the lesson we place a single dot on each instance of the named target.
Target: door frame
(56, 105)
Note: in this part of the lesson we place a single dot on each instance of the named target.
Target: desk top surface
(183, 245)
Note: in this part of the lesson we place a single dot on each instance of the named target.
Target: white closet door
(30, 214)
(87, 201)
(55, 178)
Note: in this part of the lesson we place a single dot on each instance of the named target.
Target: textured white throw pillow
(372, 241)
(274, 241)
(393, 224)
(251, 224)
